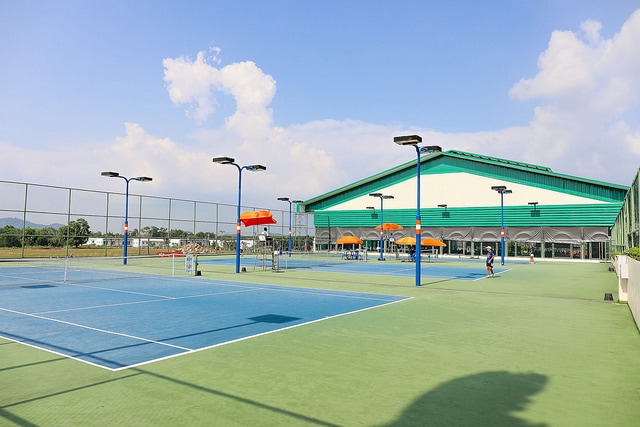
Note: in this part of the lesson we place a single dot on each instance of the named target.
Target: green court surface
(535, 346)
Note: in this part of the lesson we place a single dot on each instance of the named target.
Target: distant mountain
(17, 223)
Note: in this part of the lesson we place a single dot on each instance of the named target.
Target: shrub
(634, 253)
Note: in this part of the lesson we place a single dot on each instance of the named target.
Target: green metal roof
(459, 161)
(599, 214)
(505, 162)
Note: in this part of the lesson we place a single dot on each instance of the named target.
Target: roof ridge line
(500, 160)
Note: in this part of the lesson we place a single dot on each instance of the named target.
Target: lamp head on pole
(373, 208)
(283, 199)
(499, 188)
(117, 175)
(256, 168)
(430, 148)
(375, 194)
(407, 140)
(224, 160)
(444, 205)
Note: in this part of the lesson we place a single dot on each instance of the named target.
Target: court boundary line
(255, 335)
(250, 287)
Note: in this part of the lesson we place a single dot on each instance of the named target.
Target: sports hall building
(559, 216)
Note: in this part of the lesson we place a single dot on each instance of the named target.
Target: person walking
(490, 257)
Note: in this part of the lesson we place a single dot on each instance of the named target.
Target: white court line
(161, 299)
(487, 277)
(95, 329)
(248, 287)
(254, 336)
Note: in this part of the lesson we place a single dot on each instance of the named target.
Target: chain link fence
(42, 221)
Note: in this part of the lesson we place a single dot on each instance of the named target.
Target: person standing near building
(531, 254)
(490, 257)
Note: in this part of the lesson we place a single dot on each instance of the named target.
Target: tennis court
(536, 346)
(106, 319)
(442, 268)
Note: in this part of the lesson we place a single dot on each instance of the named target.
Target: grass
(536, 346)
(82, 251)
(51, 252)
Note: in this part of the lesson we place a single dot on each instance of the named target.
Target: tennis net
(43, 271)
(295, 260)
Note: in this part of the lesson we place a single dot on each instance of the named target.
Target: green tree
(48, 236)
(31, 236)
(10, 237)
(76, 233)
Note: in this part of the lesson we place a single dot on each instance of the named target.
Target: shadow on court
(485, 399)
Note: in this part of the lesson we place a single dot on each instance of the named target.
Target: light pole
(291, 202)
(502, 190)
(372, 214)
(414, 140)
(382, 198)
(252, 168)
(126, 205)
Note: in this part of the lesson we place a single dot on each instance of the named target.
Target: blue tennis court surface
(123, 323)
(440, 269)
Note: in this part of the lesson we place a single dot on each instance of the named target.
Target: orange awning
(406, 241)
(432, 242)
(389, 226)
(424, 242)
(346, 240)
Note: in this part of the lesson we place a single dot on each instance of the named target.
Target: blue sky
(313, 90)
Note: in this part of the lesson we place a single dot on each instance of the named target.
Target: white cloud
(189, 82)
(586, 123)
(585, 84)
(194, 82)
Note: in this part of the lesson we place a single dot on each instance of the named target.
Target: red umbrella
(257, 218)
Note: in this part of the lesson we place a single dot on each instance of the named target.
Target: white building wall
(461, 189)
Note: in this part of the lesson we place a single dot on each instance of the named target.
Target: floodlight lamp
(375, 194)
(444, 205)
(224, 160)
(143, 178)
(371, 207)
(498, 188)
(506, 192)
(533, 203)
(431, 148)
(283, 199)
(110, 174)
(297, 201)
(408, 140)
(387, 197)
(256, 168)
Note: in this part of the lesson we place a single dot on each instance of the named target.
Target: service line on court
(94, 329)
(160, 299)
